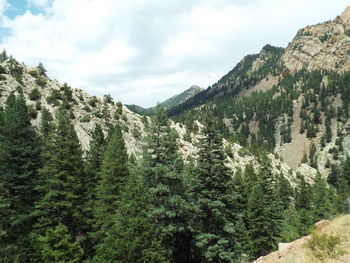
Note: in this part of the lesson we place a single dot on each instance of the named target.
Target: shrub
(19, 89)
(86, 118)
(54, 97)
(136, 133)
(98, 114)
(32, 112)
(34, 94)
(2, 77)
(34, 73)
(109, 99)
(38, 105)
(41, 82)
(125, 128)
(92, 102)
(86, 108)
(41, 69)
(67, 92)
(323, 245)
(2, 70)
(125, 118)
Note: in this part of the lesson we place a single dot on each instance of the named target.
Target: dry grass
(329, 251)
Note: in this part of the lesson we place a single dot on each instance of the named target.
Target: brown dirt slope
(298, 252)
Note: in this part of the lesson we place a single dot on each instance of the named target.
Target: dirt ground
(297, 252)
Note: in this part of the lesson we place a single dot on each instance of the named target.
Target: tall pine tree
(162, 168)
(63, 190)
(133, 235)
(264, 212)
(113, 176)
(19, 162)
(213, 219)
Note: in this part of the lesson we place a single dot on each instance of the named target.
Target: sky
(145, 51)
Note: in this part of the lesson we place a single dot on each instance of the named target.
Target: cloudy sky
(144, 51)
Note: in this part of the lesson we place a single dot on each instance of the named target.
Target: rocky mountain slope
(323, 46)
(86, 111)
(272, 97)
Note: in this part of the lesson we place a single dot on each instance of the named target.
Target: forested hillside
(293, 101)
(84, 179)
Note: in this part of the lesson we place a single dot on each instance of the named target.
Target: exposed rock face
(80, 107)
(322, 46)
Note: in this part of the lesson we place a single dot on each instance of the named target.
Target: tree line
(60, 205)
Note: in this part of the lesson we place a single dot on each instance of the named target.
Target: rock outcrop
(323, 46)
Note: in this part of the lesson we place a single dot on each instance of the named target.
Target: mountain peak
(345, 16)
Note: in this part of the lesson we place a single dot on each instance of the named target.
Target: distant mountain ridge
(169, 103)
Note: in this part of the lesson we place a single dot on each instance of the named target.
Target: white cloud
(146, 51)
(3, 6)
(42, 4)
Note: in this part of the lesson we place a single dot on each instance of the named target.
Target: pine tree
(46, 119)
(162, 169)
(63, 189)
(92, 170)
(56, 245)
(20, 160)
(132, 237)
(213, 219)
(264, 212)
(321, 199)
(113, 175)
(95, 154)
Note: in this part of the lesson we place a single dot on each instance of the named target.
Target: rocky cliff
(322, 46)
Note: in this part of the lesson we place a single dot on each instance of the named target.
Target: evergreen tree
(19, 162)
(46, 119)
(213, 220)
(162, 169)
(303, 194)
(321, 199)
(63, 189)
(264, 212)
(56, 245)
(95, 154)
(133, 235)
(92, 170)
(113, 175)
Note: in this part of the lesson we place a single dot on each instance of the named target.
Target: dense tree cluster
(58, 205)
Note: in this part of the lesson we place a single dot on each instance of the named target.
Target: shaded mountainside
(169, 103)
(182, 97)
(292, 101)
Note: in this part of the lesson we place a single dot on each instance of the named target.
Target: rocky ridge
(86, 111)
(323, 46)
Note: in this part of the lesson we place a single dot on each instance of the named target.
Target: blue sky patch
(19, 7)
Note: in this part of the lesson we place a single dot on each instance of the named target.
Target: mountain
(169, 103)
(86, 111)
(291, 101)
(182, 97)
(254, 160)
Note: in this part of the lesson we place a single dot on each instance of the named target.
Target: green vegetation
(34, 94)
(86, 118)
(323, 245)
